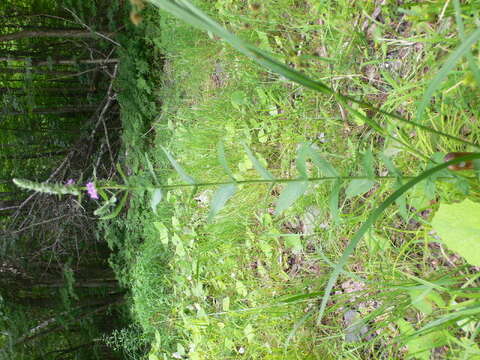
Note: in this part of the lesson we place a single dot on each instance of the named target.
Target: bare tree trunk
(72, 34)
(36, 156)
(53, 111)
(61, 61)
(61, 91)
(23, 70)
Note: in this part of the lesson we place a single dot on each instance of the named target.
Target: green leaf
(118, 208)
(368, 163)
(420, 347)
(392, 169)
(238, 98)
(323, 165)
(358, 187)
(307, 151)
(425, 300)
(377, 243)
(220, 198)
(301, 162)
(290, 194)
(294, 242)
(157, 196)
(264, 173)
(333, 201)
(163, 232)
(249, 333)
(458, 226)
(106, 206)
(150, 168)
(223, 160)
(185, 177)
(420, 301)
(446, 69)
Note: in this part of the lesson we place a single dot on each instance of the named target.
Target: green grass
(249, 284)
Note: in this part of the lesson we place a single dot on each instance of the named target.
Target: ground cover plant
(219, 274)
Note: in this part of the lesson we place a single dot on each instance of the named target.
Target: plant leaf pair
(296, 188)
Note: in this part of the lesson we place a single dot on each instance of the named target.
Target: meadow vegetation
(249, 282)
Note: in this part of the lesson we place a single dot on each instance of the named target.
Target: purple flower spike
(70, 182)
(91, 190)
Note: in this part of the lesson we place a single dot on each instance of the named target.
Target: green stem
(259, 181)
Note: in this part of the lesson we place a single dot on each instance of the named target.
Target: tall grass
(195, 17)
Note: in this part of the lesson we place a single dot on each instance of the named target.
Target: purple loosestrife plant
(92, 191)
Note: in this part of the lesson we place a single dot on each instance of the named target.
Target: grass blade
(461, 31)
(371, 220)
(264, 173)
(185, 177)
(447, 67)
(220, 198)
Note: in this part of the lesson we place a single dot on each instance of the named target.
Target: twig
(89, 28)
(39, 223)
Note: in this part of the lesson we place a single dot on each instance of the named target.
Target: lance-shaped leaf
(401, 201)
(446, 69)
(368, 163)
(220, 198)
(223, 160)
(290, 194)
(106, 205)
(150, 168)
(185, 177)
(333, 201)
(118, 208)
(358, 187)
(265, 174)
(323, 165)
(301, 161)
(157, 196)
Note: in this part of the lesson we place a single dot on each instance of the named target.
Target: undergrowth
(248, 283)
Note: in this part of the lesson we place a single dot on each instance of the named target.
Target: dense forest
(59, 122)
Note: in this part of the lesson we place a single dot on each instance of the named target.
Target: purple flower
(91, 190)
(70, 182)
